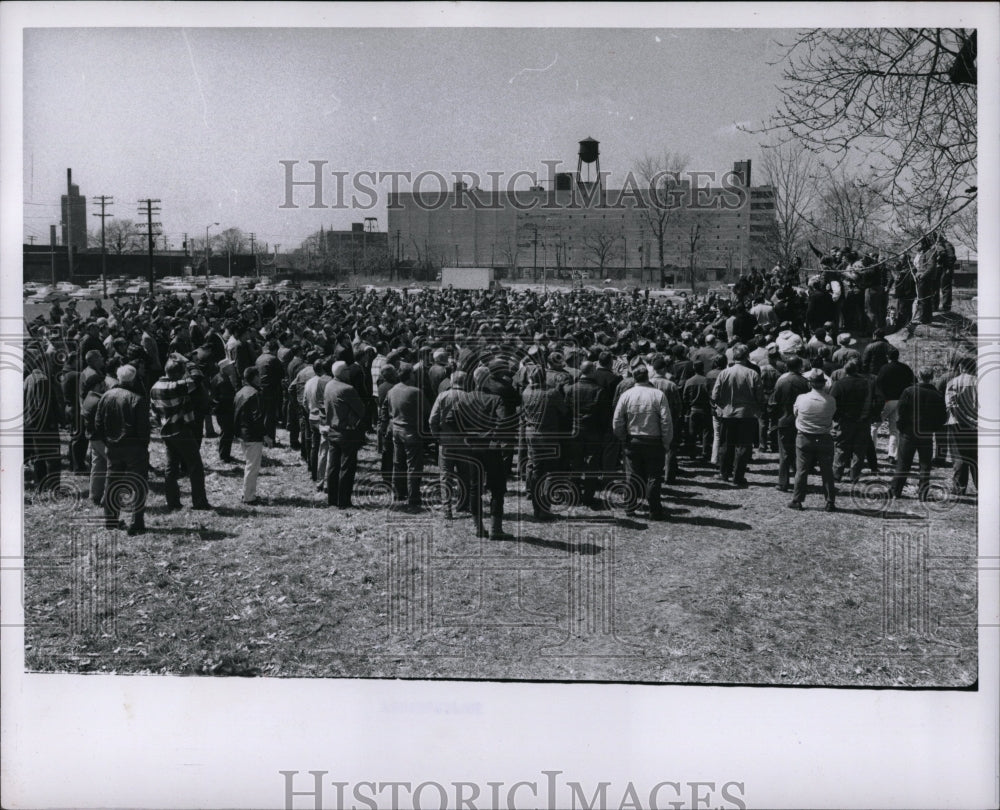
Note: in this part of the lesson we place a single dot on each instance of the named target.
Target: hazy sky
(200, 117)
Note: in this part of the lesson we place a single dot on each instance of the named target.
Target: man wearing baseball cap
(814, 443)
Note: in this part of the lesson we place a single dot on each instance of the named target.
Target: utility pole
(31, 240)
(253, 252)
(52, 252)
(104, 201)
(150, 209)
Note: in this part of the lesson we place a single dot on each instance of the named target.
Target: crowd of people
(565, 390)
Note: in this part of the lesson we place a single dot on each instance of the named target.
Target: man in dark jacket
(43, 413)
(543, 416)
(786, 391)
(696, 399)
(344, 411)
(482, 417)
(122, 423)
(224, 386)
(272, 373)
(893, 378)
(248, 423)
(921, 412)
(590, 416)
(854, 393)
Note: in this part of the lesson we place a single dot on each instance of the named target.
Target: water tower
(589, 154)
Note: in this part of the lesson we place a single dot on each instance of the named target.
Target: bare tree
(509, 249)
(600, 242)
(789, 169)
(120, 236)
(232, 240)
(851, 210)
(694, 237)
(898, 102)
(665, 194)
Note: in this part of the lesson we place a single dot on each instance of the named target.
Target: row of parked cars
(39, 293)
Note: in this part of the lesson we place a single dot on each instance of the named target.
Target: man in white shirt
(813, 442)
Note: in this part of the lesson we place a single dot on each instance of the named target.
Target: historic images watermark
(462, 190)
(315, 790)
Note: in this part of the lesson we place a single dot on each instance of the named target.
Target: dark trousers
(341, 467)
(671, 458)
(306, 435)
(270, 402)
(452, 480)
(786, 455)
(78, 447)
(208, 427)
(41, 449)
(293, 422)
(947, 277)
(483, 468)
(315, 445)
(765, 431)
(227, 430)
(851, 448)
(644, 462)
(408, 467)
(735, 445)
(813, 449)
(965, 455)
(700, 435)
(904, 312)
(127, 483)
(876, 303)
(385, 452)
(923, 448)
(183, 453)
(543, 462)
(585, 453)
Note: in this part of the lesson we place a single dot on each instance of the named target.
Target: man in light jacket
(644, 424)
(738, 396)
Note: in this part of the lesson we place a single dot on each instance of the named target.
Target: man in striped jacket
(172, 398)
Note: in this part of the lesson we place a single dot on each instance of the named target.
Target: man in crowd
(737, 394)
(643, 423)
(172, 398)
(961, 400)
(590, 417)
(920, 412)
(122, 423)
(406, 410)
(248, 423)
(814, 412)
(890, 382)
(345, 413)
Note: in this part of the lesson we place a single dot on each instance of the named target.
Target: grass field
(732, 588)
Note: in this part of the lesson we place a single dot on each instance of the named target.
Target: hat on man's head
(845, 339)
(816, 375)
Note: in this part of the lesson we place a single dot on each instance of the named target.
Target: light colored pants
(716, 438)
(888, 415)
(98, 470)
(324, 455)
(252, 452)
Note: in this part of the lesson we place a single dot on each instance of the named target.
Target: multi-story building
(74, 218)
(578, 229)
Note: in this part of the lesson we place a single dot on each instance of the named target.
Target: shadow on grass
(203, 534)
(708, 522)
(588, 549)
(688, 499)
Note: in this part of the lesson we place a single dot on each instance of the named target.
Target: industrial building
(577, 229)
